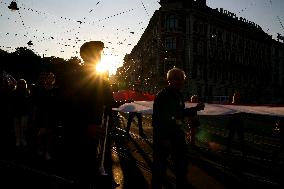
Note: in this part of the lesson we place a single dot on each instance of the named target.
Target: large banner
(146, 107)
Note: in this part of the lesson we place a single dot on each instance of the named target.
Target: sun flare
(109, 63)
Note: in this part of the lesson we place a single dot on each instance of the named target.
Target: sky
(59, 27)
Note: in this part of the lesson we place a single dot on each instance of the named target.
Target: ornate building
(220, 53)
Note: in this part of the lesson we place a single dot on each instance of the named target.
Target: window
(170, 43)
(171, 22)
(228, 37)
(203, 28)
(169, 64)
(200, 48)
(195, 26)
(194, 46)
(220, 36)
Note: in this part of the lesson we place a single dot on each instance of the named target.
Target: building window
(194, 46)
(200, 48)
(220, 36)
(195, 26)
(170, 43)
(171, 22)
(169, 63)
(202, 28)
(228, 37)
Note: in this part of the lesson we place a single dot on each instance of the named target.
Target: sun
(109, 63)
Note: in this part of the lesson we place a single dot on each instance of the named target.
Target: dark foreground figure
(169, 132)
(76, 158)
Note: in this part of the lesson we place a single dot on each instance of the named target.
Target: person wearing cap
(168, 131)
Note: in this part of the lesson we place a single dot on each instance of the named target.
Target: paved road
(210, 159)
(131, 158)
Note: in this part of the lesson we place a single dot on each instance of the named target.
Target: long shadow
(135, 123)
(170, 184)
(133, 177)
(142, 152)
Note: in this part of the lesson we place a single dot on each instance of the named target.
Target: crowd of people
(31, 113)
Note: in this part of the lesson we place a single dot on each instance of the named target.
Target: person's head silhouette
(91, 51)
(21, 84)
(176, 78)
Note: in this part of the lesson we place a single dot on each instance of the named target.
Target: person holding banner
(137, 96)
(236, 125)
(87, 93)
(193, 123)
(169, 131)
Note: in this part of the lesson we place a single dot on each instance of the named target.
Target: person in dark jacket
(236, 125)
(279, 128)
(193, 122)
(21, 108)
(169, 131)
(87, 94)
(7, 137)
(138, 96)
(45, 99)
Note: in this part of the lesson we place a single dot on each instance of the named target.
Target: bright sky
(54, 26)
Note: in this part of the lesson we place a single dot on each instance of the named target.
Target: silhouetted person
(21, 108)
(193, 122)
(280, 125)
(236, 125)
(87, 93)
(281, 130)
(139, 118)
(45, 99)
(169, 133)
(138, 96)
(7, 138)
(111, 116)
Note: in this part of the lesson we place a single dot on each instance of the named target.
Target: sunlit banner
(146, 107)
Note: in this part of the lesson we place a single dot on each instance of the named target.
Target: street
(130, 158)
(210, 159)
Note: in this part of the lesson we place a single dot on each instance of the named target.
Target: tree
(74, 60)
(24, 63)
(4, 56)
(25, 52)
(123, 73)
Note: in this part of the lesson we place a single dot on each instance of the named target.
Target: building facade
(220, 53)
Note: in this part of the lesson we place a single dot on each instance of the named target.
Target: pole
(102, 168)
